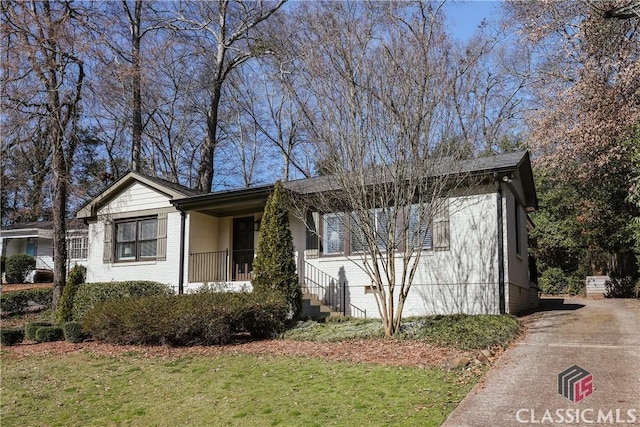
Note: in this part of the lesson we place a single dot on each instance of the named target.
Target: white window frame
(78, 245)
(331, 234)
(137, 243)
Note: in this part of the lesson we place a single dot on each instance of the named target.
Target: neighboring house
(476, 260)
(36, 239)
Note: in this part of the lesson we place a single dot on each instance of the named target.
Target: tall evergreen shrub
(274, 268)
(65, 306)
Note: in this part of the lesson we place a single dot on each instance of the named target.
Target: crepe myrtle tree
(388, 138)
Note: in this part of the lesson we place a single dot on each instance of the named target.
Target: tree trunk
(136, 145)
(59, 218)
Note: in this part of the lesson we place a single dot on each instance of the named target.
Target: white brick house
(475, 260)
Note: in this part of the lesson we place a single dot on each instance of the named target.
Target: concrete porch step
(313, 308)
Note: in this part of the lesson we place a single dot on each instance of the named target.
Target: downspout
(501, 292)
(181, 268)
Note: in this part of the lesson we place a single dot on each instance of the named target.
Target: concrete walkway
(601, 336)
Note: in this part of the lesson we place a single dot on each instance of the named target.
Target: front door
(242, 251)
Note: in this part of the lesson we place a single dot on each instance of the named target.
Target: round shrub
(553, 281)
(18, 268)
(73, 332)
(31, 328)
(11, 336)
(49, 333)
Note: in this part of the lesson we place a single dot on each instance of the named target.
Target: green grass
(459, 331)
(233, 390)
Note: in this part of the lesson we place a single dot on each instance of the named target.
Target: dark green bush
(621, 287)
(11, 336)
(49, 333)
(73, 332)
(274, 268)
(89, 295)
(182, 320)
(16, 302)
(31, 328)
(18, 267)
(553, 281)
(65, 305)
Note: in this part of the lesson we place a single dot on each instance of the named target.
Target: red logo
(575, 383)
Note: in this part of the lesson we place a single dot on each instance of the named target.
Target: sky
(465, 17)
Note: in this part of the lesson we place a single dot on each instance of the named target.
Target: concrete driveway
(601, 336)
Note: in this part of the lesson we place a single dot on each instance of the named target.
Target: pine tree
(274, 268)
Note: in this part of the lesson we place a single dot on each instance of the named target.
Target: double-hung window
(136, 240)
(78, 247)
(415, 227)
(333, 233)
(420, 232)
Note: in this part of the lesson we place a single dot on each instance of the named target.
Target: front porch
(323, 294)
(221, 266)
(220, 242)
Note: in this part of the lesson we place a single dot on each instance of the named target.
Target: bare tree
(226, 28)
(46, 34)
(381, 77)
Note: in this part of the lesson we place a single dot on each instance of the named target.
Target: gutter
(500, 232)
(181, 264)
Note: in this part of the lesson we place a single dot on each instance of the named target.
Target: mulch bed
(382, 351)
(23, 286)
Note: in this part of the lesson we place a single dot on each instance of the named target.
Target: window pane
(126, 232)
(148, 248)
(333, 233)
(384, 225)
(420, 234)
(126, 250)
(357, 236)
(148, 229)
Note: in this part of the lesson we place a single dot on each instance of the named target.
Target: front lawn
(84, 389)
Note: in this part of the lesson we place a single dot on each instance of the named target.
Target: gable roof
(169, 189)
(227, 202)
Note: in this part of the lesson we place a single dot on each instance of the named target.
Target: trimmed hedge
(11, 336)
(90, 295)
(73, 332)
(183, 320)
(49, 333)
(17, 302)
(31, 328)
